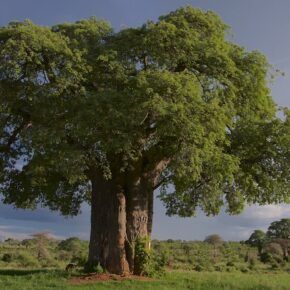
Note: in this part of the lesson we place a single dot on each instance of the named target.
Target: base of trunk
(108, 228)
(120, 228)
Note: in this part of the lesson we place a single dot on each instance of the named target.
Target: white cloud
(272, 212)
(17, 236)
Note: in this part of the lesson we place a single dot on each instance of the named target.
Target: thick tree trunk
(139, 217)
(108, 226)
(121, 216)
(139, 193)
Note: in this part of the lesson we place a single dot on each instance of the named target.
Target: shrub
(142, 255)
(148, 262)
(90, 268)
(275, 249)
(244, 270)
(155, 266)
(252, 260)
(266, 257)
(198, 268)
(7, 258)
(64, 255)
(190, 260)
(274, 266)
(219, 268)
(27, 260)
(99, 269)
(80, 259)
(28, 243)
(230, 264)
(72, 245)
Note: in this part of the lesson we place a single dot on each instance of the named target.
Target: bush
(72, 245)
(266, 257)
(274, 249)
(199, 268)
(27, 260)
(155, 266)
(28, 243)
(244, 270)
(219, 268)
(99, 269)
(252, 261)
(190, 260)
(7, 258)
(149, 263)
(142, 256)
(274, 266)
(64, 256)
(80, 260)
(90, 268)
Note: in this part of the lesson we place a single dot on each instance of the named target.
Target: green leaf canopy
(79, 95)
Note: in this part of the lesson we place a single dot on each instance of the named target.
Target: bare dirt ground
(93, 278)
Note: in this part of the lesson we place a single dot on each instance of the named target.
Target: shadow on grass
(18, 272)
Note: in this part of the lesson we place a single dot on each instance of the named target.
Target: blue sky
(256, 24)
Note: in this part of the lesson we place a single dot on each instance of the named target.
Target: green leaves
(80, 96)
(279, 230)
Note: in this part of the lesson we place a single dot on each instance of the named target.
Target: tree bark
(140, 196)
(137, 193)
(121, 215)
(108, 226)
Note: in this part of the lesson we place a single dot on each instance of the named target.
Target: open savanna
(39, 264)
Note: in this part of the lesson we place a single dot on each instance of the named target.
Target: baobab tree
(89, 114)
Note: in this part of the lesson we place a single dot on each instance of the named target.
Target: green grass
(55, 279)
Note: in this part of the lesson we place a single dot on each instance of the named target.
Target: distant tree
(257, 239)
(11, 241)
(186, 248)
(89, 114)
(274, 249)
(216, 241)
(285, 245)
(279, 229)
(28, 242)
(279, 232)
(42, 239)
(72, 244)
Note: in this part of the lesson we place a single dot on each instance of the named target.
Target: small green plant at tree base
(147, 261)
(90, 268)
(142, 255)
(99, 269)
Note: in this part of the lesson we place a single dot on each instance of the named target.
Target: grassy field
(189, 265)
(56, 279)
